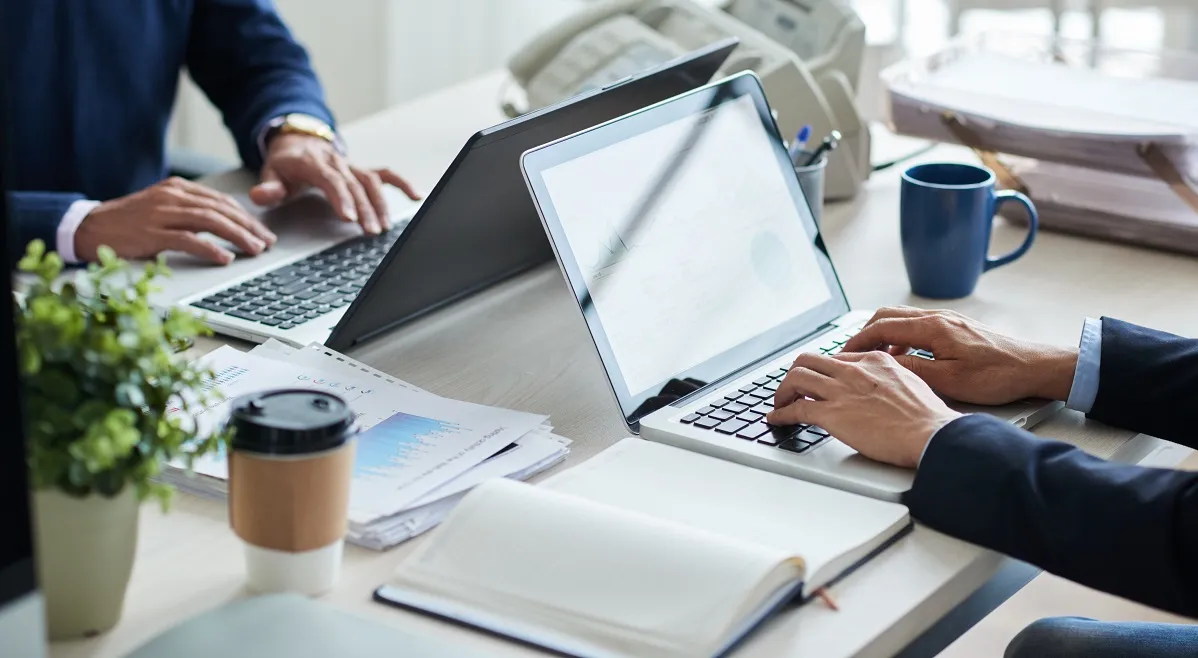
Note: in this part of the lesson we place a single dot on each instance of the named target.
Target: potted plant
(108, 403)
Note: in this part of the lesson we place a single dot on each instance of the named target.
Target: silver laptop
(686, 239)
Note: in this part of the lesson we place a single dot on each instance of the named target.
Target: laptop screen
(686, 238)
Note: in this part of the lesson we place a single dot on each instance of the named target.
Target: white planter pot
(85, 551)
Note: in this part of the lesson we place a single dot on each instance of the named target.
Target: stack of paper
(1104, 141)
(417, 454)
(1049, 110)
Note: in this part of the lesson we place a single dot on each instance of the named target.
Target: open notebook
(644, 550)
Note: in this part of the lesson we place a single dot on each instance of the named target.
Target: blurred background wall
(372, 54)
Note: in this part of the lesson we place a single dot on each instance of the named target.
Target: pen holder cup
(811, 179)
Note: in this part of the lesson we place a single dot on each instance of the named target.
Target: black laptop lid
(686, 239)
(479, 226)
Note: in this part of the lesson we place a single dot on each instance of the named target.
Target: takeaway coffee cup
(289, 478)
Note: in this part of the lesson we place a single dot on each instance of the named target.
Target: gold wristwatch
(303, 124)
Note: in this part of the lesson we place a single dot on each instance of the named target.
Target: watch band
(300, 124)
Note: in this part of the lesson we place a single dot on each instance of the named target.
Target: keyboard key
(211, 306)
(720, 414)
(763, 408)
(750, 416)
(306, 294)
(780, 373)
(754, 431)
(818, 430)
(330, 298)
(717, 403)
(280, 280)
(291, 289)
(734, 396)
(784, 432)
(706, 423)
(747, 388)
(288, 325)
(731, 426)
(246, 315)
(736, 407)
(312, 315)
(705, 410)
(691, 418)
(772, 386)
(271, 322)
(768, 439)
(811, 437)
(308, 306)
(762, 381)
(795, 446)
(762, 394)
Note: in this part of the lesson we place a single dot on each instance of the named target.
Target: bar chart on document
(402, 440)
(406, 456)
(411, 442)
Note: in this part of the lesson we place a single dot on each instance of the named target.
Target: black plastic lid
(290, 422)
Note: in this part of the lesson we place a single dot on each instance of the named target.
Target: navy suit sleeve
(251, 67)
(1126, 530)
(1148, 382)
(36, 215)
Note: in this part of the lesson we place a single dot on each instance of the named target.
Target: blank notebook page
(613, 578)
(798, 518)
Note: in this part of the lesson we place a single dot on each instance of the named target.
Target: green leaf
(100, 375)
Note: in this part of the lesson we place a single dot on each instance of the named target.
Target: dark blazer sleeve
(1126, 530)
(36, 215)
(1148, 382)
(251, 67)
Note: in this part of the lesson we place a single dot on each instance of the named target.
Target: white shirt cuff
(1089, 367)
(64, 238)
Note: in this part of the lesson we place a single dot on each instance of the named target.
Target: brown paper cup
(291, 513)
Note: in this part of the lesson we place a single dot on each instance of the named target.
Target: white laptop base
(829, 462)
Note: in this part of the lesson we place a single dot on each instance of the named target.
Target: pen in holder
(811, 179)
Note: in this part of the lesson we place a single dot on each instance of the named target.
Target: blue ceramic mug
(946, 216)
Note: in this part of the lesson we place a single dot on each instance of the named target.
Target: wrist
(1054, 369)
(941, 421)
(291, 141)
(302, 125)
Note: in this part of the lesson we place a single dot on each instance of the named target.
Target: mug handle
(1033, 225)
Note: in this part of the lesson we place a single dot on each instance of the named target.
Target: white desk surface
(523, 345)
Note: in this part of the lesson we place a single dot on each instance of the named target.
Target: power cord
(914, 154)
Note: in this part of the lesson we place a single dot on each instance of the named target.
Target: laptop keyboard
(308, 288)
(741, 413)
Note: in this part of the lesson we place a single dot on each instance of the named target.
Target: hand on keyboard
(868, 401)
(973, 363)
